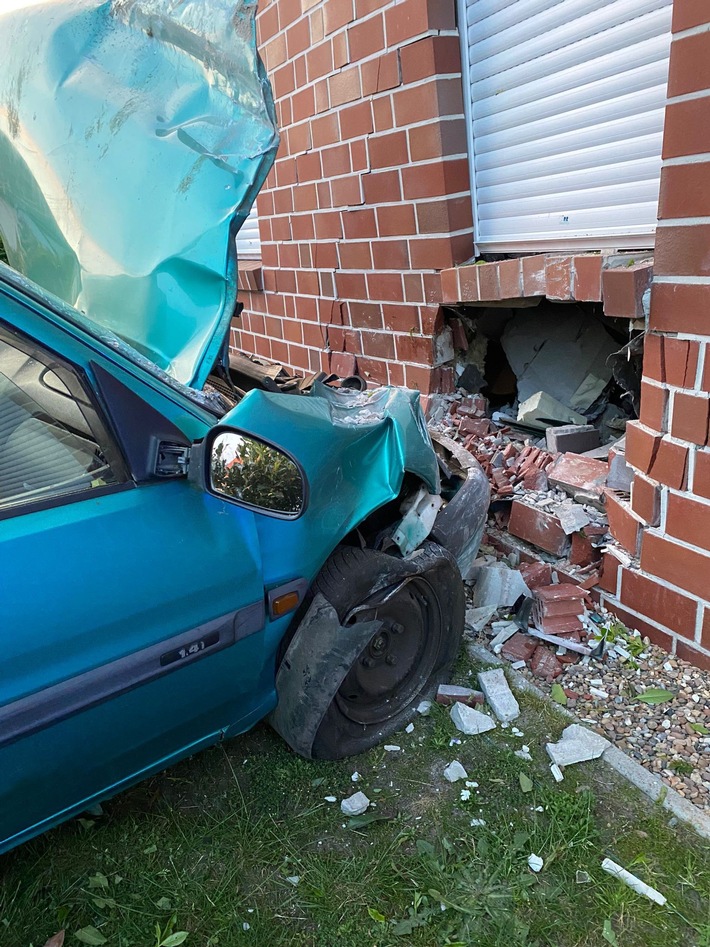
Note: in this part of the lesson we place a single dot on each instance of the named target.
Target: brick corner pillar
(666, 591)
(369, 197)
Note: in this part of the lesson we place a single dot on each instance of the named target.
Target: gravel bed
(658, 736)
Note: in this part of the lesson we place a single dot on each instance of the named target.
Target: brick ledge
(616, 280)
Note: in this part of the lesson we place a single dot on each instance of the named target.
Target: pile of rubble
(546, 532)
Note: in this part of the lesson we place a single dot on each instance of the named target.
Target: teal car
(185, 548)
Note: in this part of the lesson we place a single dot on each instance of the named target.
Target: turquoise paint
(137, 133)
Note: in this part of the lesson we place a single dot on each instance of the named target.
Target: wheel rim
(398, 660)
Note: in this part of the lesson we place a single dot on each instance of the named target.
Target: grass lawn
(202, 854)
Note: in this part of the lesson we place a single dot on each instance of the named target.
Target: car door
(131, 615)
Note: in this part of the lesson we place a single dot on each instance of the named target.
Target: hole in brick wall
(554, 364)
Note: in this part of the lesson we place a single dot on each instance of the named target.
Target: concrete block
(577, 745)
(499, 695)
(470, 721)
(572, 438)
(498, 585)
(455, 771)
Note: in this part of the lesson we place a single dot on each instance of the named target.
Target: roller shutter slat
(567, 102)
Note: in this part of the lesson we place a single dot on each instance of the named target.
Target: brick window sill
(616, 281)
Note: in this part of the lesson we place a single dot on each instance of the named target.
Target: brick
(396, 220)
(558, 277)
(468, 283)
(680, 307)
(680, 362)
(683, 250)
(688, 520)
(686, 130)
(429, 57)
(355, 255)
(433, 252)
(575, 473)
(544, 664)
(536, 526)
(684, 191)
(450, 285)
(688, 13)
(658, 637)
(360, 224)
(488, 282)
(445, 216)
(344, 87)
(356, 120)
(624, 524)
(366, 38)
(410, 18)
(583, 553)
(389, 150)
(662, 605)
(385, 286)
(690, 418)
(510, 274)
(519, 648)
(336, 14)
(438, 139)
(687, 652)
(378, 344)
(682, 567)
(623, 288)
(587, 278)
(642, 445)
(689, 69)
(670, 464)
(438, 179)
(701, 477)
(380, 187)
(390, 255)
(534, 275)
(536, 575)
(379, 75)
(608, 576)
(654, 401)
(646, 499)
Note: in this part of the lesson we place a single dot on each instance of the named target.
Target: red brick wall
(666, 590)
(369, 196)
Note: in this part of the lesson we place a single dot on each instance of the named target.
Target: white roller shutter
(565, 114)
(248, 245)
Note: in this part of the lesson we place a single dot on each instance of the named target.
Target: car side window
(51, 441)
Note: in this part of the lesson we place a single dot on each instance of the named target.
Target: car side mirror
(256, 474)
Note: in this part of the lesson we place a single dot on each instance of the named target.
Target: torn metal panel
(134, 137)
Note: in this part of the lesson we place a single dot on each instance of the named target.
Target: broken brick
(544, 664)
(582, 552)
(519, 648)
(575, 473)
(536, 526)
(535, 479)
(536, 574)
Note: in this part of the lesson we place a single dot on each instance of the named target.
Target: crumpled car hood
(134, 137)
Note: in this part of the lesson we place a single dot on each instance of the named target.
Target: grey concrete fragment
(498, 694)
(577, 745)
(455, 771)
(505, 631)
(355, 804)
(571, 438)
(498, 585)
(477, 618)
(572, 517)
(470, 721)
